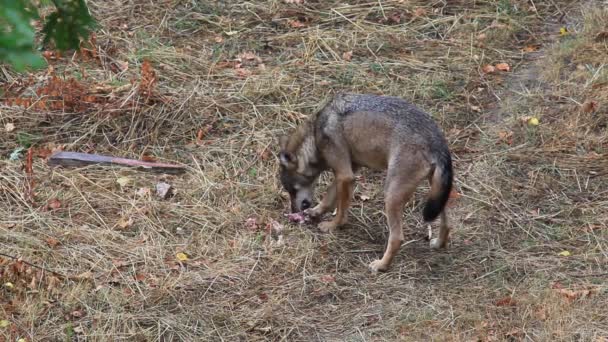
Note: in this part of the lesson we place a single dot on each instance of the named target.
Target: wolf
(351, 131)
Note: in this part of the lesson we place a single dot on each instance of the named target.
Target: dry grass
(526, 197)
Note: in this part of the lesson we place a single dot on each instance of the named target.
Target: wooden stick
(81, 159)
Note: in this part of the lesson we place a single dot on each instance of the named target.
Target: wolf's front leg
(328, 203)
(344, 185)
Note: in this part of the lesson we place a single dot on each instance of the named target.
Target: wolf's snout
(305, 204)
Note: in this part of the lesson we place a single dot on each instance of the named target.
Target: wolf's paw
(378, 266)
(327, 226)
(315, 212)
(437, 244)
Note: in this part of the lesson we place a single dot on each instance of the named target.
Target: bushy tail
(441, 186)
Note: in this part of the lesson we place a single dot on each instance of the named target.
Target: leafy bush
(65, 27)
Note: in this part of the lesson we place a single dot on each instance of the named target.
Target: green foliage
(70, 23)
(65, 27)
(17, 34)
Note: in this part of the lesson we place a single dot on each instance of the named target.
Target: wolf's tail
(441, 186)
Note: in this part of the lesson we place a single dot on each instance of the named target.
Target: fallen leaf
(589, 106)
(419, 12)
(140, 277)
(481, 36)
(296, 23)
(507, 301)
(328, 278)
(347, 56)
(475, 108)
(53, 204)
(563, 31)
(164, 190)
(148, 158)
(4, 323)
(9, 285)
(124, 181)
(182, 256)
(143, 192)
(503, 67)
(533, 121)
(488, 69)
(541, 314)
(84, 276)
(244, 73)
(52, 242)
(601, 36)
(218, 39)
(124, 222)
(530, 48)
(572, 295)
(77, 313)
(507, 137)
(9, 127)
(564, 253)
(248, 56)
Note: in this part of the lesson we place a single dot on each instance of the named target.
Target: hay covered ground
(212, 85)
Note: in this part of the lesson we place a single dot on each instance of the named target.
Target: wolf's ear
(287, 159)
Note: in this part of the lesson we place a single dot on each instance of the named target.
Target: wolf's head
(299, 168)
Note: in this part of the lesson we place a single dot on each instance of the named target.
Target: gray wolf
(379, 132)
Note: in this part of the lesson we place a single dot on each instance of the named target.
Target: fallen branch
(81, 159)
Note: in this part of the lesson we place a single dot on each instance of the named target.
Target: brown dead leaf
(488, 69)
(248, 56)
(148, 158)
(243, 73)
(541, 313)
(419, 12)
(296, 24)
(140, 276)
(506, 301)
(589, 106)
(53, 204)
(78, 313)
(506, 137)
(601, 36)
(328, 278)
(347, 56)
(503, 67)
(52, 242)
(530, 48)
(124, 222)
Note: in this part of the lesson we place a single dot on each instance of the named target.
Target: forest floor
(520, 88)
